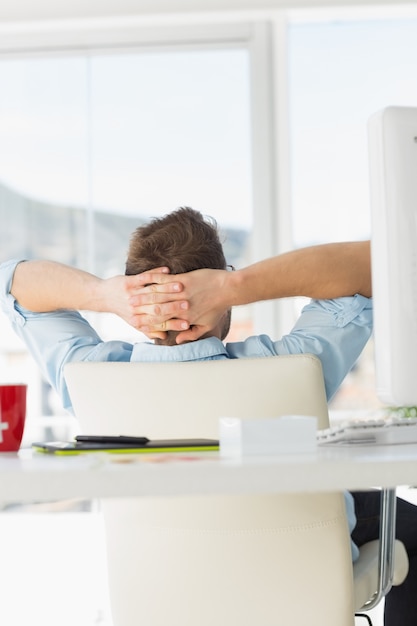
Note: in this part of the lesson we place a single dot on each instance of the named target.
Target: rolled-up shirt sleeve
(336, 331)
(57, 338)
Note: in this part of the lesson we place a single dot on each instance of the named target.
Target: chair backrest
(162, 400)
(227, 560)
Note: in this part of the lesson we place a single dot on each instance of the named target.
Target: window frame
(264, 37)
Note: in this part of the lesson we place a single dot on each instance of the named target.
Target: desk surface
(27, 476)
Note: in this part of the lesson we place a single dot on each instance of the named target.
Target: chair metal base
(364, 615)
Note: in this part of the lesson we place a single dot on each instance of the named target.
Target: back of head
(183, 240)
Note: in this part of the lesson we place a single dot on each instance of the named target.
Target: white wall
(28, 10)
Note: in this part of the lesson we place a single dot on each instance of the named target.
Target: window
(341, 72)
(92, 145)
(89, 131)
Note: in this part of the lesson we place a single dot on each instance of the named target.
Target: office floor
(52, 569)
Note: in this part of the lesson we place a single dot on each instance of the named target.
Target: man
(40, 299)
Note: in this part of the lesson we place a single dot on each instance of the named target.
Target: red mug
(12, 416)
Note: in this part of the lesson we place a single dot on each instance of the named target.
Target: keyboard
(370, 431)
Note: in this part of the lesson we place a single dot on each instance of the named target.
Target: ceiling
(32, 10)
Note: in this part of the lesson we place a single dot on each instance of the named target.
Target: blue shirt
(335, 331)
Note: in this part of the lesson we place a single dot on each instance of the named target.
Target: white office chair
(218, 560)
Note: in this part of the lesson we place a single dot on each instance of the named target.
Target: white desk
(28, 476)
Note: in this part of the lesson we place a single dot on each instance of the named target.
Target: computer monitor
(393, 186)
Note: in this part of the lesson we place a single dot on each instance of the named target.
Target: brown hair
(183, 240)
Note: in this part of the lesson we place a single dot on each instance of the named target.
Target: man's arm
(194, 302)
(44, 286)
(321, 272)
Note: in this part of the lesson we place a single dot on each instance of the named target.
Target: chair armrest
(365, 570)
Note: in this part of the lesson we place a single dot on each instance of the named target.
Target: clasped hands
(156, 301)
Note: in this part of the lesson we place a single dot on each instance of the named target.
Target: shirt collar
(208, 348)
